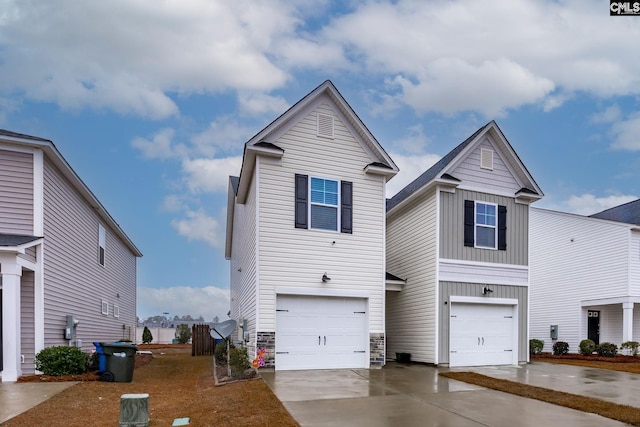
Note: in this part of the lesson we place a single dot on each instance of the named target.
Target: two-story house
(67, 270)
(458, 237)
(306, 238)
(585, 276)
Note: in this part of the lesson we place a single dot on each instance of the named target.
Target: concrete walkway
(414, 395)
(16, 398)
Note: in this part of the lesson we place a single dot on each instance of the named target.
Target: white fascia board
(248, 166)
(379, 170)
(323, 292)
(609, 301)
(483, 300)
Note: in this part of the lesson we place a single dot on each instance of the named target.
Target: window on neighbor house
(105, 307)
(101, 244)
(323, 204)
(116, 311)
(485, 225)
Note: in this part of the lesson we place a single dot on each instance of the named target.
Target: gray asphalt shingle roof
(628, 213)
(9, 240)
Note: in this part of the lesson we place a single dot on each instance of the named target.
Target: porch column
(11, 273)
(627, 321)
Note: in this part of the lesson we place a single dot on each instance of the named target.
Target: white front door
(314, 332)
(482, 334)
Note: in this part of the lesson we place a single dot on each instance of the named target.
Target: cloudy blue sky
(151, 101)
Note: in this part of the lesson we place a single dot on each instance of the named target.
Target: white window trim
(105, 307)
(116, 310)
(102, 244)
(476, 225)
(309, 203)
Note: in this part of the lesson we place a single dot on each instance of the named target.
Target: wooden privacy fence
(201, 342)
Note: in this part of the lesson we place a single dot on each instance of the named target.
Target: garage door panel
(321, 333)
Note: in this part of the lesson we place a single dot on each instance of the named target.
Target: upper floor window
(101, 244)
(485, 225)
(323, 204)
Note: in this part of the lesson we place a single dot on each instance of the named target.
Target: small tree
(146, 336)
(183, 333)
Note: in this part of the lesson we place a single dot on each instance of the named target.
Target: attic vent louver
(486, 159)
(325, 125)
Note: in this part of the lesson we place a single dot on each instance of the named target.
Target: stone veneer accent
(268, 341)
(376, 350)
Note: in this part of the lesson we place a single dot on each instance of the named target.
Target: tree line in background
(171, 322)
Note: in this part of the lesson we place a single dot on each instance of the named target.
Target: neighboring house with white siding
(62, 257)
(306, 238)
(458, 238)
(585, 277)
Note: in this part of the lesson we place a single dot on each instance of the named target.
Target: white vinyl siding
(634, 263)
(27, 321)
(75, 284)
(411, 253)
(573, 259)
(16, 192)
(498, 180)
(297, 258)
(243, 264)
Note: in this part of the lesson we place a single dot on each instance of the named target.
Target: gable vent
(325, 125)
(486, 159)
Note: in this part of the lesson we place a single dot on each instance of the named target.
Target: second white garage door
(482, 334)
(315, 332)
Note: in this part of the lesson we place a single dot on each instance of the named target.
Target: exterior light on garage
(486, 291)
(325, 278)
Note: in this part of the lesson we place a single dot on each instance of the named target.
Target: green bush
(183, 333)
(61, 360)
(220, 352)
(632, 346)
(560, 348)
(607, 349)
(587, 347)
(535, 346)
(238, 360)
(146, 336)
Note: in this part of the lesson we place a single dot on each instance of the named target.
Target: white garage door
(321, 332)
(482, 334)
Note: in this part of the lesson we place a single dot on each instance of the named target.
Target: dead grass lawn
(178, 385)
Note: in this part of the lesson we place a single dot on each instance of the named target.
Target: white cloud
(210, 175)
(209, 301)
(627, 133)
(260, 103)
(609, 115)
(197, 225)
(224, 134)
(415, 142)
(411, 167)
(589, 204)
(160, 146)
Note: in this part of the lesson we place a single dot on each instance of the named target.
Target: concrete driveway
(414, 395)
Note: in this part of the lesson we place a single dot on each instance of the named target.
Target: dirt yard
(178, 385)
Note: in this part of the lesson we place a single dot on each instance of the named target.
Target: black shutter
(502, 228)
(346, 207)
(469, 222)
(302, 190)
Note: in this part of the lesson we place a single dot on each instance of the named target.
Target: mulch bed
(620, 358)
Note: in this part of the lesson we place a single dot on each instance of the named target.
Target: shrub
(146, 336)
(238, 360)
(183, 333)
(607, 349)
(220, 352)
(61, 360)
(535, 346)
(632, 346)
(587, 347)
(560, 348)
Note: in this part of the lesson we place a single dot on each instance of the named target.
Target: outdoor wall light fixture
(486, 291)
(325, 278)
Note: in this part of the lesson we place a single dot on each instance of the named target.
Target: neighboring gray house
(585, 276)
(306, 238)
(458, 237)
(67, 270)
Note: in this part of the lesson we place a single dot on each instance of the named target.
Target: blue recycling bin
(102, 358)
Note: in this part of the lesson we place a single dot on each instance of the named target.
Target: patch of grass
(615, 411)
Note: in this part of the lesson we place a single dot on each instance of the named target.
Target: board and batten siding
(294, 258)
(243, 264)
(448, 289)
(412, 255)
(499, 180)
(74, 281)
(27, 321)
(16, 192)
(573, 259)
(452, 229)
